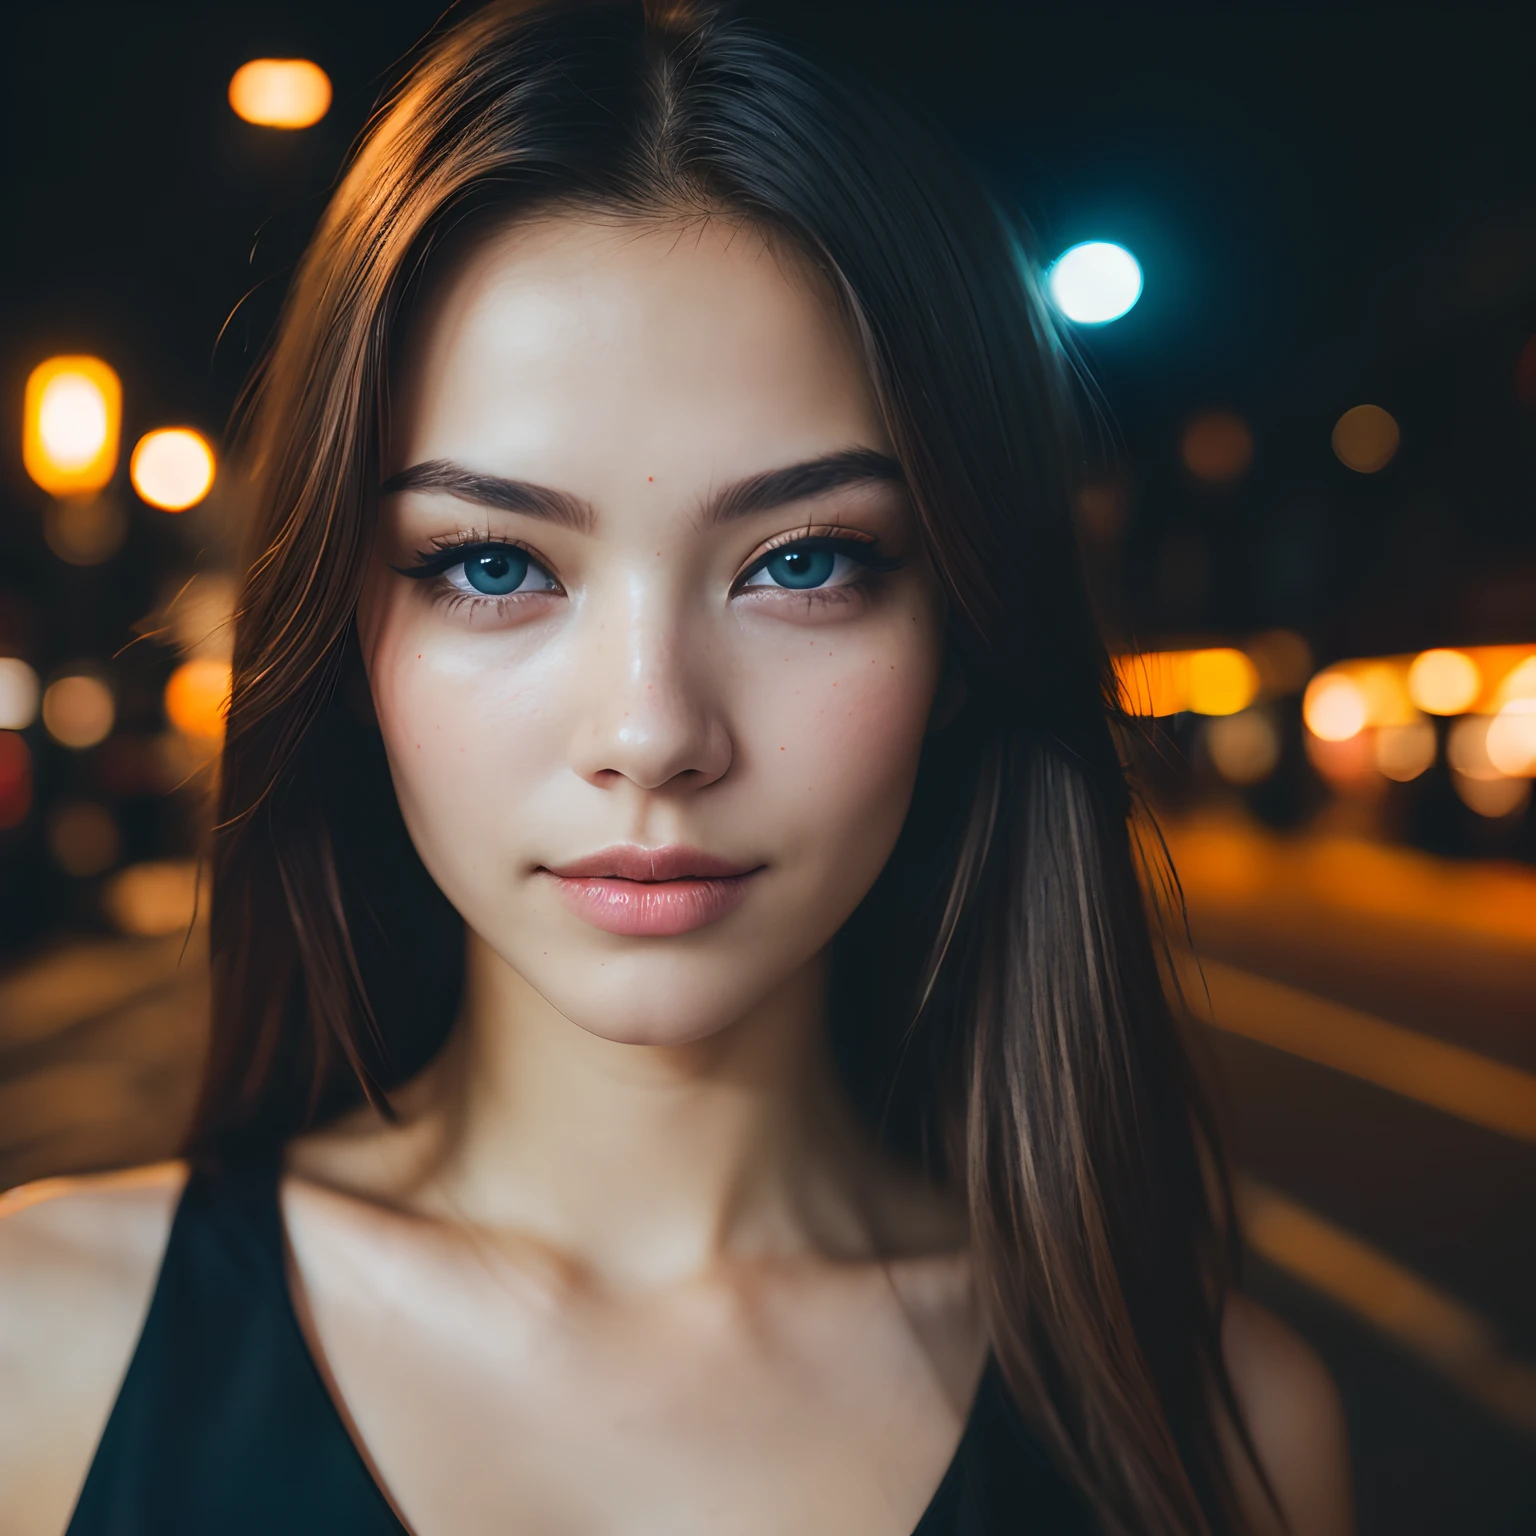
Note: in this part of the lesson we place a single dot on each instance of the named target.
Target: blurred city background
(1297, 248)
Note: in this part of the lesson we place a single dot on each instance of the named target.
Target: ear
(950, 696)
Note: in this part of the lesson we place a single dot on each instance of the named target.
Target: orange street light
(172, 468)
(71, 416)
(280, 93)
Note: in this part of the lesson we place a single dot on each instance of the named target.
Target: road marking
(1438, 1329)
(1489, 1093)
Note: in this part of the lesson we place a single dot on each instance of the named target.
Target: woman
(688, 1050)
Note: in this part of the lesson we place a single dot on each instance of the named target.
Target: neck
(649, 1162)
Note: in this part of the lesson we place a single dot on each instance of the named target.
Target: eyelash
(447, 553)
(450, 552)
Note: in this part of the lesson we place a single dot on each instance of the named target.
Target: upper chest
(488, 1393)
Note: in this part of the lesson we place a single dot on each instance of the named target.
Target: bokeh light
(280, 93)
(1365, 439)
(19, 693)
(155, 898)
(71, 416)
(15, 780)
(200, 610)
(1334, 707)
(172, 468)
(1493, 798)
(78, 710)
(1221, 681)
(1403, 752)
(1444, 682)
(1094, 282)
(1283, 659)
(1153, 683)
(1217, 447)
(1244, 748)
(1519, 682)
(197, 696)
(83, 838)
(1347, 766)
(85, 530)
(1511, 739)
(1466, 748)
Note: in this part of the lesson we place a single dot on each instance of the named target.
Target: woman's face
(651, 640)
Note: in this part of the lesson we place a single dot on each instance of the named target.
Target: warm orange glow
(1334, 707)
(1518, 683)
(197, 696)
(280, 93)
(83, 838)
(1365, 439)
(71, 416)
(1466, 748)
(1403, 752)
(1218, 681)
(1511, 739)
(1444, 682)
(1244, 747)
(1399, 688)
(78, 710)
(1153, 682)
(155, 898)
(1217, 447)
(1492, 798)
(85, 530)
(172, 468)
(18, 694)
(1221, 681)
(1385, 687)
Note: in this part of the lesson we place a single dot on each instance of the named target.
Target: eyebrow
(494, 491)
(755, 493)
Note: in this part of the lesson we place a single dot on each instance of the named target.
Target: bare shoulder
(1296, 1420)
(78, 1261)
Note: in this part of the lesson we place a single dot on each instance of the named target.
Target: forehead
(583, 351)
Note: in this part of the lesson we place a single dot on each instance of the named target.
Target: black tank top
(224, 1424)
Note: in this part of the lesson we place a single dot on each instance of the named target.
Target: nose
(648, 714)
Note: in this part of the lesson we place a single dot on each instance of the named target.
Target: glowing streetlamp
(280, 93)
(1094, 282)
(172, 468)
(71, 417)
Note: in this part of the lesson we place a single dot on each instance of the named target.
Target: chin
(665, 992)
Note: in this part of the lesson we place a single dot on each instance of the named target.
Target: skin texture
(628, 1220)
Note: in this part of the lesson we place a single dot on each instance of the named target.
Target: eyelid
(865, 547)
(456, 549)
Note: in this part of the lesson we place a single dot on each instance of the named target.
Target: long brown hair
(998, 1008)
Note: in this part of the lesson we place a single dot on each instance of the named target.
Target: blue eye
(800, 569)
(497, 572)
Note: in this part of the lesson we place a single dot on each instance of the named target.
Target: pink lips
(650, 892)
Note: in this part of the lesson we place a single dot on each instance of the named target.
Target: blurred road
(1376, 1040)
(1371, 1014)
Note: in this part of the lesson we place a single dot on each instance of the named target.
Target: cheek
(461, 727)
(838, 735)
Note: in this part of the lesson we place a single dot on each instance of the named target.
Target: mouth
(650, 892)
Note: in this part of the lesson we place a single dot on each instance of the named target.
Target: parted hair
(999, 1010)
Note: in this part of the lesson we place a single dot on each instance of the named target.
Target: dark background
(1332, 205)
